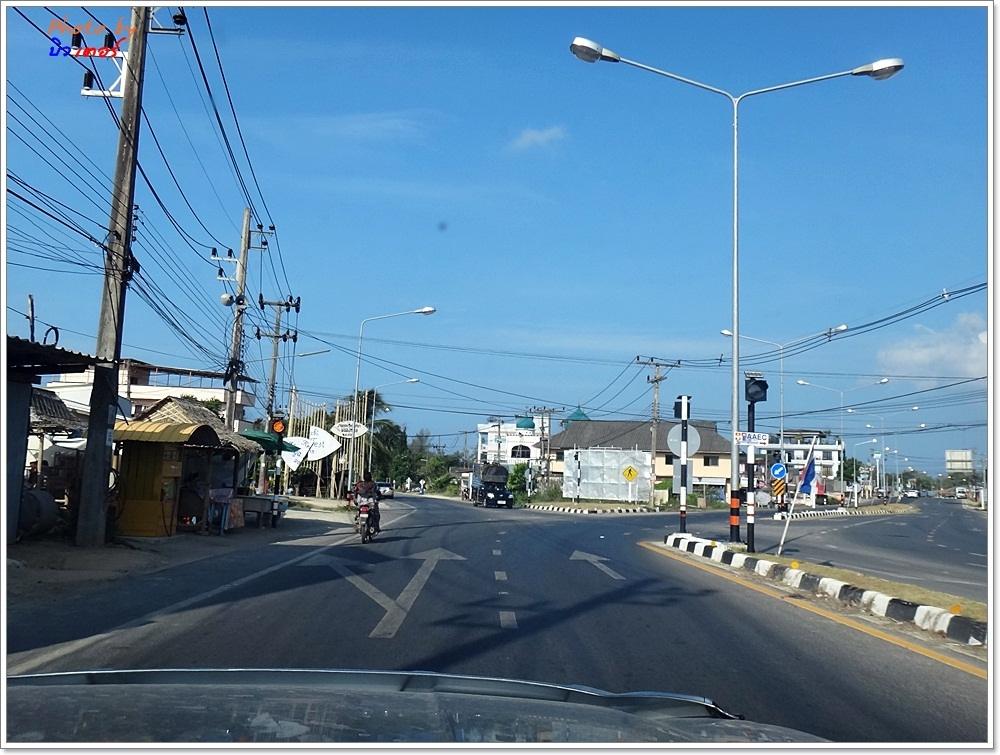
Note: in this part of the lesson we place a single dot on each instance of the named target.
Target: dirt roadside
(53, 566)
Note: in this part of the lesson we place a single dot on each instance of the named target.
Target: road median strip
(927, 617)
(841, 511)
(594, 510)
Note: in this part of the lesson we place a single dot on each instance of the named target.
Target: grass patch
(966, 607)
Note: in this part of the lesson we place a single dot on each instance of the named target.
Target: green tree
(518, 482)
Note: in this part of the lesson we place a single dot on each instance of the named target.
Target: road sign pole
(685, 413)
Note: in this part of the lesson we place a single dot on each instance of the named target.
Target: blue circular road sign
(778, 471)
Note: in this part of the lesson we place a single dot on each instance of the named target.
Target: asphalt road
(942, 546)
(514, 594)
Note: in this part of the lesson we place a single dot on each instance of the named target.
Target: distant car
(385, 489)
(912, 494)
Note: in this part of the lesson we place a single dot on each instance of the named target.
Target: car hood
(302, 706)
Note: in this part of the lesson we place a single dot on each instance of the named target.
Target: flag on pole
(808, 476)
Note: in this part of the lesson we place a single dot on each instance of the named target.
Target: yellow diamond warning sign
(630, 473)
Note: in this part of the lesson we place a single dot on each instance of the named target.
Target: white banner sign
(294, 458)
(322, 443)
(349, 429)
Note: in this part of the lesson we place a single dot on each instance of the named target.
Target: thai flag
(807, 477)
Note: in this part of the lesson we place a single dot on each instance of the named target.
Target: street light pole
(591, 52)
(357, 380)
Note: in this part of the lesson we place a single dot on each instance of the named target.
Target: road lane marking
(496, 551)
(502, 532)
(842, 620)
(40, 659)
(500, 576)
(596, 561)
(508, 620)
(396, 610)
(978, 554)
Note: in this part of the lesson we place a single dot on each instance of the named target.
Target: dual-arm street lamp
(781, 369)
(357, 378)
(842, 391)
(591, 52)
(371, 424)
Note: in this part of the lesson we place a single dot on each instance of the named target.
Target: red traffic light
(278, 426)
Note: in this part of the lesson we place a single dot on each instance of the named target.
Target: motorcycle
(364, 521)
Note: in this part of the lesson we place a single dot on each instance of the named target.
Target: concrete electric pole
(236, 346)
(277, 335)
(118, 267)
(656, 379)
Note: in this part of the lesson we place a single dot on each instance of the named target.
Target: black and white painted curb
(930, 618)
(823, 513)
(573, 510)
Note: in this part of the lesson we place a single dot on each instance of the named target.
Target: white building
(512, 443)
(141, 385)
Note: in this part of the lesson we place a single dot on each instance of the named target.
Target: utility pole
(657, 378)
(31, 317)
(236, 348)
(277, 335)
(118, 267)
(546, 413)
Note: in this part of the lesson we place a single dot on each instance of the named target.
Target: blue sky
(463, 158)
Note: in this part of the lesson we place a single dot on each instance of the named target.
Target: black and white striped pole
(682, 411)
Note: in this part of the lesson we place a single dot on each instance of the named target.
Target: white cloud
(538, 137)
(957, 350)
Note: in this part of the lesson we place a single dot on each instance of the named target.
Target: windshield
(411, 339)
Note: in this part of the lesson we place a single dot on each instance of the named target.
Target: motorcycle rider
(366, 488)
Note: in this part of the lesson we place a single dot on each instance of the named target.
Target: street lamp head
(883, 381)
(413, 380)
(880, 69)
(425, 311)
(727, 333)
(914, 408)
(840, 328)
(802, 382)
(590, 52)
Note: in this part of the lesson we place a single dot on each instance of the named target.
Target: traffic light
(277, 426)
(755, 390)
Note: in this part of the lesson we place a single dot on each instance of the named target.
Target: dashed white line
(496, 551)
(508, 620)
(500, 576)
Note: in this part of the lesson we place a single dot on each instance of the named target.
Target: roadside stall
(212, 476)
(160, 466)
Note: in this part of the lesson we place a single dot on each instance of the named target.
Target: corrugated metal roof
(49, 413)
(30, 357)
(163, 432)
(633, 434)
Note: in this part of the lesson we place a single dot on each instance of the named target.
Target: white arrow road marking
(508, 620)
(395, 610)
(596, 561)
(500, 576)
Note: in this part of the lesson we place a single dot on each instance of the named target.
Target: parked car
(912, 494)
(385, 489)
